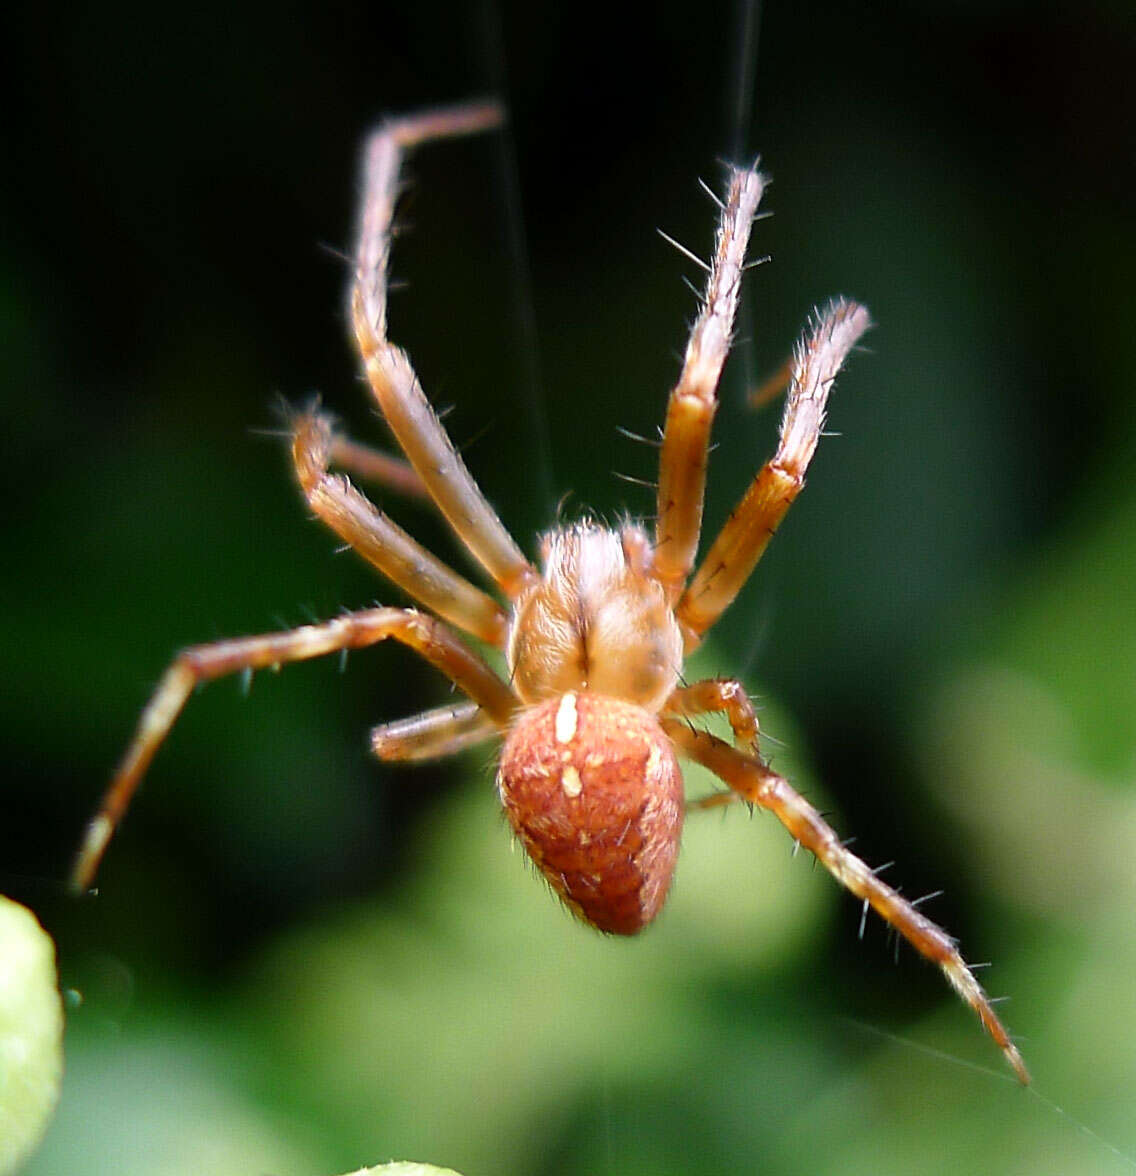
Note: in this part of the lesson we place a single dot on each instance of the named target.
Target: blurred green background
(300, 961)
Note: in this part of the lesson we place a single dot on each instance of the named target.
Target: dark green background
(301, 961)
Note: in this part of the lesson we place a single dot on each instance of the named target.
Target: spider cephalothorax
(596, 620)
(592, 708)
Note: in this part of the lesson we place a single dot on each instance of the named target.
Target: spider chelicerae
(593, 709)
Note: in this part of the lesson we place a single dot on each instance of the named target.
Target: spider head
(595, 621)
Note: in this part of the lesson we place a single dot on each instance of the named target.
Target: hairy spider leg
(742, 541)
(759, 785)
(413, 422)
(375, 465)
(384, 544)
(446, 730)
(426, 635)
(694, 399)
(718, 696)
(773, 386)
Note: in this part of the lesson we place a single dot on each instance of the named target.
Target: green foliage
(405, 1168)
(31, 1034)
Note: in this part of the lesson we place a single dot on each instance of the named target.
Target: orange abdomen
(592, 788)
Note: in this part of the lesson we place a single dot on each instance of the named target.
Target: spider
(593, 710)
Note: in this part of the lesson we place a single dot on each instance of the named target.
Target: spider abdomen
(592, 788)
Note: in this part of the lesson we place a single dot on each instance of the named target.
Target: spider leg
(756, 783)
(718, 696)
(384, 544)
(389, 372)
(741, 542)
(376, 466)
(773, 386)
(694, 399)
(433, 733)
(202, 663)
(714, 800)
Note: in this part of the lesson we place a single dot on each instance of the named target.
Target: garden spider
(593, 710)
